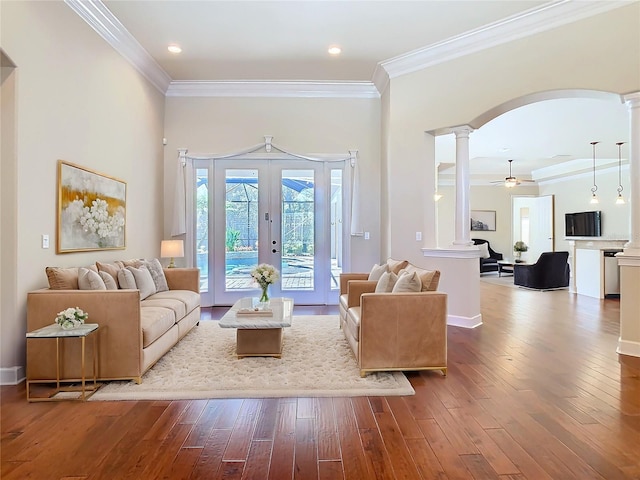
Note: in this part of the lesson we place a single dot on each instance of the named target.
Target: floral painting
(91, 210)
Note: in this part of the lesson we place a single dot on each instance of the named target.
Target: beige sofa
(133, 334)
(395, 330)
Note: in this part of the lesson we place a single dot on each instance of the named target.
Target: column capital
(632, 99)
(461, 131)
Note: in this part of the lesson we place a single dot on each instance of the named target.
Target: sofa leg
(444, 371)
(363, 373)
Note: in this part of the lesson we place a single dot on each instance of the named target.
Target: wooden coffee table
(259, 335)
(506, 266)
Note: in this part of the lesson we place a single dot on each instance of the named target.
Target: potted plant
(518, 248)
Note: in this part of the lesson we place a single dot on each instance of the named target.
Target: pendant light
(594, 189)
(620, 199)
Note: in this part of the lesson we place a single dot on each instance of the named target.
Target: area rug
(316, 362)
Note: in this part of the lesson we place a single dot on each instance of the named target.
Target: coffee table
(259, 335)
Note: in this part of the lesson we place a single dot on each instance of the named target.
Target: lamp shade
(172, 248)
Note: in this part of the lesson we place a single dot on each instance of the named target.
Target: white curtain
(179, 224)
(356, 226)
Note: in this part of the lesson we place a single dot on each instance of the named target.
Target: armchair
(488, 264)
(550, 271)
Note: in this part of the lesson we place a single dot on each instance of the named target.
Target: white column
(633, 103)
(463, 209)
(629, 260)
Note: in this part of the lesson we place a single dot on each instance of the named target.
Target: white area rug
(316, 362)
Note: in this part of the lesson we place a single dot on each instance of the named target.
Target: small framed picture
(483, 220)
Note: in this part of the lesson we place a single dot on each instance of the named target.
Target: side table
(57, 332)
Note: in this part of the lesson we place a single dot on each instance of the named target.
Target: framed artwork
(91, 210)
(483, 220)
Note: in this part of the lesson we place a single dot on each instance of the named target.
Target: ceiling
(288, 41)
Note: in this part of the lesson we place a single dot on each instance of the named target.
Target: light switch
(45, 241)
(418, 236)
(366, 235)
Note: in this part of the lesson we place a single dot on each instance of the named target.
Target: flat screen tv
(583, 224)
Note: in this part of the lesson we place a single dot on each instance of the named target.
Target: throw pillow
(386, 282)
(484, 250)
(111, 269)
(407, 282)
(144, 281)
(134, 262)
(62, 278)
(126, 279)
(428, 278)
(157, 273)
(109, 282)
(396, 265)
(377, 271)
(90, 280)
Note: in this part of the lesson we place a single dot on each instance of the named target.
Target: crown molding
(100, 18)
(530, 22)
(297, 89)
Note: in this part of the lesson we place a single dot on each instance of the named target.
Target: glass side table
(57, 332)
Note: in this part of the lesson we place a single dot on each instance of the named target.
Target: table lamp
(171, 249)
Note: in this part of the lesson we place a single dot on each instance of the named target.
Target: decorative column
(463, 183)
(629, 259)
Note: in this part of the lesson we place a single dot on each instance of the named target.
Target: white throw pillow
(90, 280)
(484, 250)
(408, 282)
(126, 280)
(144, 281)
(377, 271)
(109, 281)
(386, 282)
(157, 273)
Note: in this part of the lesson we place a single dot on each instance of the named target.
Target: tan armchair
(394, 331)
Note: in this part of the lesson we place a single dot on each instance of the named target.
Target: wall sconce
(620, 199)
(171, 249)
(594, 189)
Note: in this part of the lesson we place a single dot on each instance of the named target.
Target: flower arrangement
(96, 219)
(265, 274)
(72, 317)
(520, 247)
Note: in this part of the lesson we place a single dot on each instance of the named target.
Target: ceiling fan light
(510, 182)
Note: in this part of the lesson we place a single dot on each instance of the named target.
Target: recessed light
(334, 50)
(173, 48)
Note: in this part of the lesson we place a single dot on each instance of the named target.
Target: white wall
(576, 56)
(80, 101)
(300, 125)
(574, 195)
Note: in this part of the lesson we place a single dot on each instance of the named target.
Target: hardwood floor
(537, 392)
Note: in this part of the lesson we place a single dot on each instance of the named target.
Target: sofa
(489, 257)
(136, 327)
(394, 330)
(550, 271)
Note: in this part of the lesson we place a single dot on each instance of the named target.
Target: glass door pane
(241, 228)
(297, 230)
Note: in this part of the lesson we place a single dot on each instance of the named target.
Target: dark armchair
(488, 264)
(550, 271)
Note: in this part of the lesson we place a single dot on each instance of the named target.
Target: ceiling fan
(512, 181)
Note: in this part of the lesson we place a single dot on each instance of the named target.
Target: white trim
(521, 25)
(297, 89)
(12, 375)
(628, 260)
(464, 322)
(100, 18)
(628, 347)
(470, 251)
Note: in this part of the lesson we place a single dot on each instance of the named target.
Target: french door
(287, 213)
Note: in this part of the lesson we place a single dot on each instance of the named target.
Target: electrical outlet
(418, 236)
(366, 235)
(45, 241)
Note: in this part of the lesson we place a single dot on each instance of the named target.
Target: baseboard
(464, 322)
(12, 375)
(627, 347)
